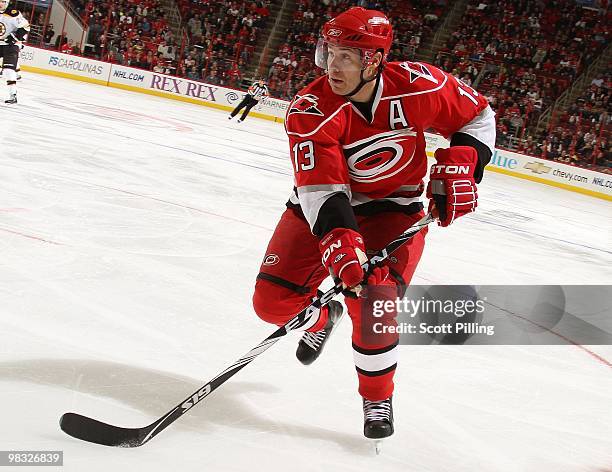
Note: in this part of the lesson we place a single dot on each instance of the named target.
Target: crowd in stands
(533, 51)
(222, 36)
(581, 134)
(129, 32)
(521, 54)
(293, 66)
(414, 22)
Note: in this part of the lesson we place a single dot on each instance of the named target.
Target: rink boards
(43, 61)
(138, 80)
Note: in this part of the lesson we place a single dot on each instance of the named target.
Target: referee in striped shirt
(256, 92)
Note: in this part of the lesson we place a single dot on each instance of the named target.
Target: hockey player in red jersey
(357, 145)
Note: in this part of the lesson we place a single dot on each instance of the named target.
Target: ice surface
(131, 231)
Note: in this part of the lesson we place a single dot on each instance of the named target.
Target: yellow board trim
(540, 180)
(131, 88)
(195, 101)
(163, 94)
(64, 75)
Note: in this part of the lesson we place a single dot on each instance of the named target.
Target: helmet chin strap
(362, 82)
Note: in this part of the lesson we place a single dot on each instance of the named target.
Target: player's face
(343, 68)
(3, 5)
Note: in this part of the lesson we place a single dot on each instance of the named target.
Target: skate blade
(377, 443)
(335, 327)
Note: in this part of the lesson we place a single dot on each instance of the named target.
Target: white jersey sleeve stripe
(312, 198)
(482, 128)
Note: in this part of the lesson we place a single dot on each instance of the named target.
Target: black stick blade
(88, 429)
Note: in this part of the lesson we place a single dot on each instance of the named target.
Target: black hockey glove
(11, 40)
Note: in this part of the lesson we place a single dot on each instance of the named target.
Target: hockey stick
(89, 429)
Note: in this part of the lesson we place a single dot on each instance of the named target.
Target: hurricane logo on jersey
(306, 104)
(271, 259)
(379, 157)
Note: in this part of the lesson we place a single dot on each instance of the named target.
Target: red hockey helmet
(367, 30)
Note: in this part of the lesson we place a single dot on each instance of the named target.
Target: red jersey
(335, 148)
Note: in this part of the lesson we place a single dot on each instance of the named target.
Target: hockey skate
(377, 421)
(12, 99)
(311, 344)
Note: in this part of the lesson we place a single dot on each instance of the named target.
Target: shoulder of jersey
(412, 78)
(313, 106)
(12, 13)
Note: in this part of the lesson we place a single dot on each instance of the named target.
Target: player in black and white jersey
(256, 92)
(13, 30)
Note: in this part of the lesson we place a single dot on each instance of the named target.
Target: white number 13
(470, 93)
(303, 156)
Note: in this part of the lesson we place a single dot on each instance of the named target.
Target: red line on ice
(37, 238)
(596, 356)
(185, 206)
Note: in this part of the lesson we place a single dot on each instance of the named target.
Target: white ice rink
(131, 231)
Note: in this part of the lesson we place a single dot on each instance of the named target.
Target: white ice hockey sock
(10, 75)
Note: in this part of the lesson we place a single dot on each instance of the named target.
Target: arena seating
(524, 55)
(520, 54)
(581, 134)
(223, 35)
(293, 68)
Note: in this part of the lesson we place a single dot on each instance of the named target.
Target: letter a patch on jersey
(306, 104)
